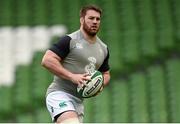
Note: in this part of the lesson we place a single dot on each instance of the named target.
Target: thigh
(68, 117)
(79, 107)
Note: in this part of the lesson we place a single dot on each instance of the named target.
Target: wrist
(70, 76)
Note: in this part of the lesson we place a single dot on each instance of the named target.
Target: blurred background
(144, 42)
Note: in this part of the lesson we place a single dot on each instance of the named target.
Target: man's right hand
(80, 79)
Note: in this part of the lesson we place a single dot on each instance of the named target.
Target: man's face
(91, 22)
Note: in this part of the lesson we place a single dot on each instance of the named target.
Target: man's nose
(95, 21)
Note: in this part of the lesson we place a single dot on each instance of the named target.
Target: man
(70, 60)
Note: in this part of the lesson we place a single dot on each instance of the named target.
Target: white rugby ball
(93, 85)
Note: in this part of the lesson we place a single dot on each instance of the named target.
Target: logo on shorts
(52, 109)
(62, 104)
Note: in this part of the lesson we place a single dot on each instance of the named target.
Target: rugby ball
(92, 86)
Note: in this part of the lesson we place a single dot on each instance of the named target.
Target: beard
(90, 31)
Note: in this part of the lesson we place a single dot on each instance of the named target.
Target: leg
(68, 117)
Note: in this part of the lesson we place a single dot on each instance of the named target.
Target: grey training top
(78, 56)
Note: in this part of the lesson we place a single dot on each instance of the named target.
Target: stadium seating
(40, 11)
(175, 13)
(57, 12)
(6, 13)
(42, 115)
(40, 79)
(22, 89)
(143, 37)
(25, 118)
(23, 48)
(157, 94)
(164, 24)
(72, 16)
(120, 101)
(21, 17)
(6, 107)
(147, 29)
(104, 106)
(138, 98)
(173, 79)
(89, 109)
(111, 32)
(6, 49)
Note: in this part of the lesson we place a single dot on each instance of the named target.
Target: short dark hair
(84, 9)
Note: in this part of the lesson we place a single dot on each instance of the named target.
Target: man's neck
(90, 39)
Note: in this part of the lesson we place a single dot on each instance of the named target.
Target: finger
(83, 83)
(86, 74)
(88, 78)
(80, 85)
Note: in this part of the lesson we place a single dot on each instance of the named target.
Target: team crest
(79, 46)
(91, 66)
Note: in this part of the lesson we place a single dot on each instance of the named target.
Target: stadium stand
(25, 118)
(22, 89)
(21, 17)
(42, 116)
(173, 79)
(104, 106)
(6, 108)
(176, 23)
(89, 109)
(6, 50)
(164, 24)
(157, 94)
(40, 76)
(144, 41)
(57, 12)
(120, 101)
(138, 98)
(112, 33)
(147, 28)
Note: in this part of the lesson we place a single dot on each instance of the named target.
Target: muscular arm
(52, 62)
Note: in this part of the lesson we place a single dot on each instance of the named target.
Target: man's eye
(97, 19)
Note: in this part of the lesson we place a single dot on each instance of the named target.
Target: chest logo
(79, 46)
(91, 66)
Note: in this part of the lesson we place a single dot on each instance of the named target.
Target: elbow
(107, 78)
(50, 60)
(44, 62)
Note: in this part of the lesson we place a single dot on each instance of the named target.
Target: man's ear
(81, 20)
